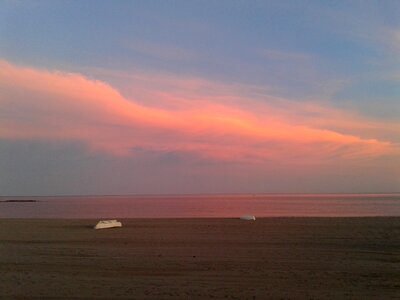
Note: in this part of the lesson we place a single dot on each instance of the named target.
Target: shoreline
(197, 258)
(193, 218)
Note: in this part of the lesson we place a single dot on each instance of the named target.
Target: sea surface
(201, 206)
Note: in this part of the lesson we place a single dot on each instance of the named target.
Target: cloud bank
(39, 104)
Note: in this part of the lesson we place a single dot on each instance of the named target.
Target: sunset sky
(133, 97)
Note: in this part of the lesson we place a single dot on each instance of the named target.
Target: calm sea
(202, 206)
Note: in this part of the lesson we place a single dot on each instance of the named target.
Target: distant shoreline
(18, 201)
(200, 195)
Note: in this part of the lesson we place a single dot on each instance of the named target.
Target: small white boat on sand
(248, 218)
(107, 224)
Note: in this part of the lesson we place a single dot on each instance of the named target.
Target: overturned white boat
(107, 224)
(248, 218)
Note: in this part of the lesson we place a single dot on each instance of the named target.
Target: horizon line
(204, 194)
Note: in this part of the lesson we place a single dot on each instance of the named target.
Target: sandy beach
(270, 258)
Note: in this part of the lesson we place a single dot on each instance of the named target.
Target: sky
(181, 97)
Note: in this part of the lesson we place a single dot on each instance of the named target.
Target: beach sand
(270, 258)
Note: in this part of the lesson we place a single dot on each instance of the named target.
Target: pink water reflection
(203, 206)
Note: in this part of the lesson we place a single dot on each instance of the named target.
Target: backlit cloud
(51, 105)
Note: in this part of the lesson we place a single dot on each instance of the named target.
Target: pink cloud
(196, 116)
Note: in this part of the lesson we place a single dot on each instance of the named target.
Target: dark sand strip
(271, 258)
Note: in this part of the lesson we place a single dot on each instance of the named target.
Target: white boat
(248, 218)
(107, 224)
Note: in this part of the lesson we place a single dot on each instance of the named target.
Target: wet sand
(271, 258)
